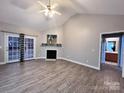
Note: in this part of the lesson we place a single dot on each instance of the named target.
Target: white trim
(45, 58)
(5, 47)
(110, 63)
(2, 63)
(29, 59)
(100, 50)
(112, 32)
(39, 58)
(50, 59)
(73, 61)
(61, 58)
(14, 61)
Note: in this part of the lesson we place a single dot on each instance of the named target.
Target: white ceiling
(25, 12)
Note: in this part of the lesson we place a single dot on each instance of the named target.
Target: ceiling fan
(49, 9)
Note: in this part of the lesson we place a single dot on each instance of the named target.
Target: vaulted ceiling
(26, 12)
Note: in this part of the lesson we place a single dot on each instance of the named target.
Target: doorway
(12, 50)
(111, 46)
(111, 50)
(120, 50)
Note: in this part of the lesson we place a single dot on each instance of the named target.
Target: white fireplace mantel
(58, 49)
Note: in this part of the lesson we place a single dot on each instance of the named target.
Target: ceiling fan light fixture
(49, 9)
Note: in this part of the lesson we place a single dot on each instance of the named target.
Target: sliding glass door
(29, 47)
(12, 49)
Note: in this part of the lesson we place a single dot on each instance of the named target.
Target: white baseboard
(45, 58)
(2, 63)
(39, 58)
(122, 74)
(73, 61)
(61, 58)
(50, 60)
(96, 68)
(110, 63)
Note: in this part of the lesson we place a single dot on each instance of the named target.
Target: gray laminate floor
(38, 76)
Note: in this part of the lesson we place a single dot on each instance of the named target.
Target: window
(111, 46)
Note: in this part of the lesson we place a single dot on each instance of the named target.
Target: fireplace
(51, 55)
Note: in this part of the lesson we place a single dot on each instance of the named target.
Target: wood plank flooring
(38, 76)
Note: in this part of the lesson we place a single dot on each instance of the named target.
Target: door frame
(100, 48)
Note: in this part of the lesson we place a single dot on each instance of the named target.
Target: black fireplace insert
(51, 54)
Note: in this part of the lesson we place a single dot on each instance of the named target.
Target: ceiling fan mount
(49, 7)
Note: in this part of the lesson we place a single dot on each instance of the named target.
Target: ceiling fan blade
(54, 6)
(42, 4)
(42, 11)
(58, 13)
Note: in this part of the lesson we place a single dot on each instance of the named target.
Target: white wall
(57, 31)
(82, 36)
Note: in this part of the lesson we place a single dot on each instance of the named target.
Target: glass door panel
(29, 48)
(13, 48)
